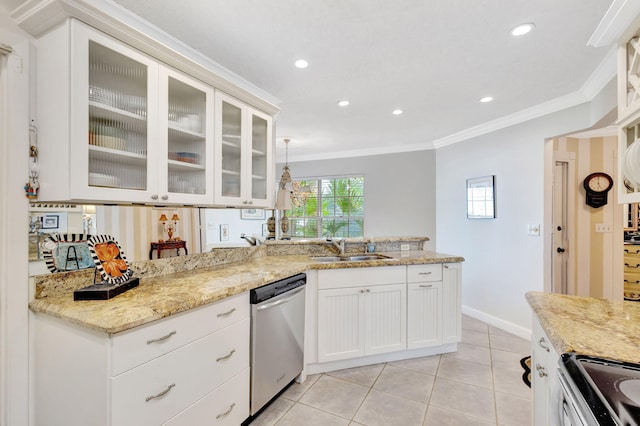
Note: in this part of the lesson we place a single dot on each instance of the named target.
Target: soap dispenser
(371, 246)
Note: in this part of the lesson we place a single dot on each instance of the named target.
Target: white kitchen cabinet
(116, 125)
(424, 306)
(191, 367)
(544, 381)
(451, 302)
(361, 311)
(244, 155)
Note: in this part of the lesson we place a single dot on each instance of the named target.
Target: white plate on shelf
(100, 179)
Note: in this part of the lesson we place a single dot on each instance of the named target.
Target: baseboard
(498, 322)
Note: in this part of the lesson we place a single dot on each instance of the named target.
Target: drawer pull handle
(541, 371)
(160, 339)
(425, 285)
(222, 358)
(543, 344)
(632, 282)
(425, 273)
(226, 413)
(631, 266)
(161, 394)
(445, 266)
(226, 314)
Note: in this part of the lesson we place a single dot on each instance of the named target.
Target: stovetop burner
(610, 388)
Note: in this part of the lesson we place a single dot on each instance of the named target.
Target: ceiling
(433, 59)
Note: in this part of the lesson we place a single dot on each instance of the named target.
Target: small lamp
(175, 219)
(163, 219)
(283, 202)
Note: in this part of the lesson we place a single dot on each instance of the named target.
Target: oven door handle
(279, 302)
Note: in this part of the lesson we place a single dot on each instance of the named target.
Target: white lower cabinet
(190, 368)
(378, 310)
(544, 379)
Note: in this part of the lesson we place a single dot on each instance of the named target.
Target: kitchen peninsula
(180, 339)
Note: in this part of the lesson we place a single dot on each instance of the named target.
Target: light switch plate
(405, 247)
(533, 230)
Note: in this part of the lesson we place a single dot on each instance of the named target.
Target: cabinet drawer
(139, 345)
(631, 250)
(357, 277)
(422, 273)
(227, 406)
(158, 390)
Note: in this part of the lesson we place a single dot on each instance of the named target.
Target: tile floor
(481, 384)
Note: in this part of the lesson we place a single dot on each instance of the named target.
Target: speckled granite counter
(589, 326)
(163, 295)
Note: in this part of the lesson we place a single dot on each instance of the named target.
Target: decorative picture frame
(67, 252)
(109, 258)
(481, 200)
(252, 214)
(50, 221)
(224, 232)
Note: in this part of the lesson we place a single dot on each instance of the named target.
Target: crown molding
(37, 17)
(614, 24)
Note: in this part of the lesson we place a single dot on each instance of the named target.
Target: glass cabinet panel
(259, 149)
(117, 120)
(187, 147)
(231, 173)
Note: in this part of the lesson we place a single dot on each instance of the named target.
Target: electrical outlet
(405, 247)
(603, 227)
(533, 230)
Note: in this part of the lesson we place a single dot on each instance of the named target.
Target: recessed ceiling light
(486, 99)
(522, 29)
(397, 112)
(301, 63)
(343, 103)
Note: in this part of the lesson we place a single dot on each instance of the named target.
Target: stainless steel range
(599, 392)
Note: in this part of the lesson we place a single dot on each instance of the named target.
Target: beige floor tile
(478, 338)
(471, 353)
(510, 343)
(301, 414)
(273, 412)
(296, 390)
(405, 383)
(508, 381)
(365, 376)
(382, 409)
(512, 410)
(437, 416)
(335, 396)
(427, 364)
(498, 331)
(472, 400)
(469, 323)
(507, 360)
(466, 371)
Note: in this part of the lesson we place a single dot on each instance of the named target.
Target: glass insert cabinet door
(231, 148)
(260, 131)
(118, 119)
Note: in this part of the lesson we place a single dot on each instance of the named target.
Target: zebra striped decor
(54, 241)
(109, 258)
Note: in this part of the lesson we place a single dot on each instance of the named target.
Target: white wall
(399, 190)
(213, 218)
(502, 261)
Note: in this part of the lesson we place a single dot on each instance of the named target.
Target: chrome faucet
(251, 240)
(337, 243)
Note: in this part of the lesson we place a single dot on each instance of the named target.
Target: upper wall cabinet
(629, 118)
(244, 155)
(115, 125)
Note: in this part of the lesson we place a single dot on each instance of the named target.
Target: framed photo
(50, 221)
(224, 232)
(481, 200)
(109, 259)
(254, 214)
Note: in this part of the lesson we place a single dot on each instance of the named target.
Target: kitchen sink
(353, 258)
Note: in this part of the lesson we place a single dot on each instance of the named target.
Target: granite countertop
(589, 326)
(161, 296)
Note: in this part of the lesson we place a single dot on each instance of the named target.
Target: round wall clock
(597, 186)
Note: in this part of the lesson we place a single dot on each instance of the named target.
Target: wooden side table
(167, 245)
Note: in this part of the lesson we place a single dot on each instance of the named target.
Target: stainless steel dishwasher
(277, 337)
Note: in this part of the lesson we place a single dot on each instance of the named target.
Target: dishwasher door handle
(279, 302)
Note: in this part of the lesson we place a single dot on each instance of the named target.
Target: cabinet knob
(154, 197)
(165, 197)
(245, 202)
(250, 202)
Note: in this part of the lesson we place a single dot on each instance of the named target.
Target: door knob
(560, 250)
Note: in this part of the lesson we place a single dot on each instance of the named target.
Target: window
(332, 207)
